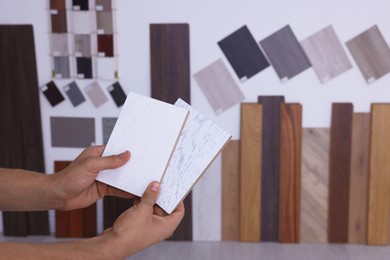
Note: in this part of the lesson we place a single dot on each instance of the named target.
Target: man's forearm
(24, 190)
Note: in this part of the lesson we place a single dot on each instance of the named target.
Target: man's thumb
(150, 195)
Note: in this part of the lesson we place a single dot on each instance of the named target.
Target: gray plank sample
(96, 94)
(108, 125)
(326, 54)
(103, 5)
(219, 86)
(61, 67)
(371, 53)
(72, 132)
(74, 94)
(104, 21)
(285, 53)
(82, 45)
(243, 53)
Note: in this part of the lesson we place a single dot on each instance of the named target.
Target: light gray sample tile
(103, 5)
(59, 44)
(74, 94)
(96, 94)
(219, 87)
(82, 45)
(108, 125)
(371, 53)
(285, 53)
(198, 145)
(105, 23)
(61, 67)
(72, 132)
(326, 54)
(82, 22)
(106, 68)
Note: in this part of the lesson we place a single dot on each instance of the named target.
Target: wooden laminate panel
(379, 176)
(270, 167)
(315, 175)
(326, 54)
(58, 21)
(290, 172)
(339, 171)
(57, 5)
(358, 192)
(64, 134)
(250, 171)
(96, 94)
(243, 53)
(231, 191)
(105, 22)
(82, 45)
(74, 94)
(371, 53)
(106, 45)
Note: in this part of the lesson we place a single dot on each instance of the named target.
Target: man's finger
(150, 195)
(93, 151)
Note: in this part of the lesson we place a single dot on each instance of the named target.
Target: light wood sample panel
(358, 192)
(250, 171)
(149, 129)
(231, 191)
(290, 172)
(314, 194)
(379, 176)
(198, 145)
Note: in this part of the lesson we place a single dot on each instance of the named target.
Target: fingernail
(155, 186)
(123, 155)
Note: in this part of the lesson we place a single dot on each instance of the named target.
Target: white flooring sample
(206, 197)
(199, 144)
(149, 129)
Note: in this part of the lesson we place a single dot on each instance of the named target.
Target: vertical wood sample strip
(358, 192)
(339, 171)
(379, 176)
(314, 195)
(250, 172)
(231, 191)
(170, 80)
(290, 172)
(270, 167)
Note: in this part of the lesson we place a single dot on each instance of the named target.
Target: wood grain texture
(84, 67)
(379, 176)
(105, 22)
(218, 86)
(250, 171)
(231, 191)
(152, 131)
(315, 175)
(326, 54)
(285, 53)
(58, 21)
(198, 145)
(82, 45)
(106, 45)
(270, 167)
(243, 53)
(21, 134)
(170, 80)
(371, 53)
(358, 192)
(290, 172)
(96, 94)
(339, 171)
(57, 5)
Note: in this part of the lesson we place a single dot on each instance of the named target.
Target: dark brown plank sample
(339, 171)
(285, 53)
(57, 5)
(231, 191)
(243, 53)
(379, 176)
(52, 93)
(290, 172)
(58, 21)
(84, 67)
(358, 193)
(113, 208)
(170, 78)
(21, 133)
(106, 45)
(270, 167)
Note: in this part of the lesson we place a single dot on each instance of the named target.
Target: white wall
(210, 21)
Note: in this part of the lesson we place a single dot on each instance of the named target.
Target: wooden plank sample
(52, 93)
(57, 5)
(290, 172)
(61, 67)
(74, 94)
(21, 130)
(105, 45)
(371, 53)
(326, 54)
(170, 80)
(64, 134)
(82, 22)
(314, 195)
(243, 53)
(231, 191)
(358, 192)
(58, 21)
(270, 167)
(250, 171)
(95, 94)
(104, 22)
(218, 86)
(82, 45)
(379, 176)
(152, 131)
(285, 53)
(59, 44)
(198, 145)
(339, 171)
